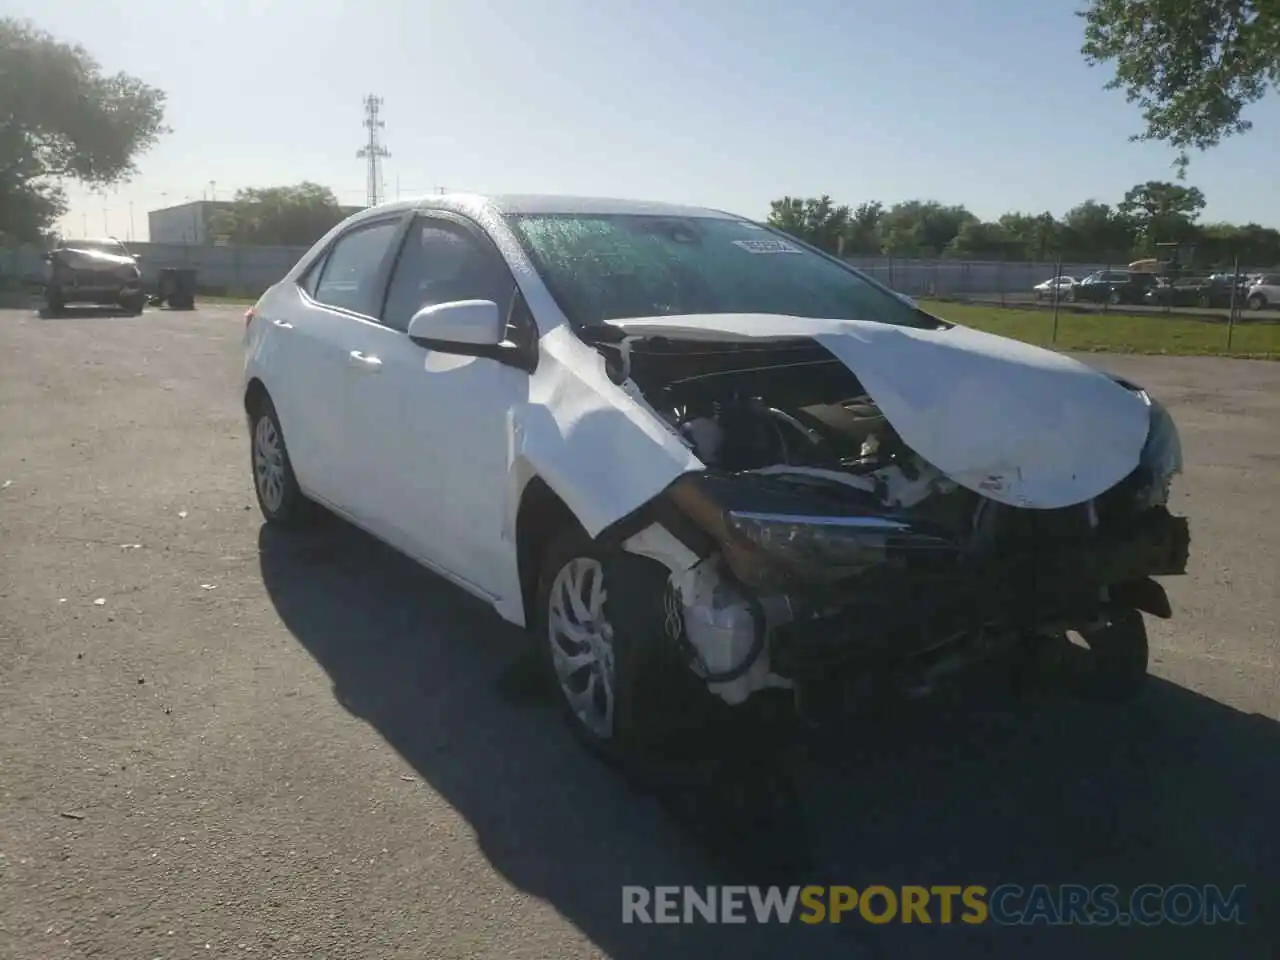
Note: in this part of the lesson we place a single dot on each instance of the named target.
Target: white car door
(344, 292)
(433, 425)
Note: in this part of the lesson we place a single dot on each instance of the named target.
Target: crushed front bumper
(1021, 587)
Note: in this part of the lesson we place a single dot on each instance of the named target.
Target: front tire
(280, 499)
(600, 622)
(1114, 669)
(1257, 301)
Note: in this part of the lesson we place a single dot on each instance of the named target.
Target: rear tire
(280, 499)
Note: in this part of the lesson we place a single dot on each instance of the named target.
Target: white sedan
(1054, 286)
(703, 462)
(1264, 292)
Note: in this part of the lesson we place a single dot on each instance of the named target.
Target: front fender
(602, 450)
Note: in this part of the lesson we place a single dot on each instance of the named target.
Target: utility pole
(373, 151)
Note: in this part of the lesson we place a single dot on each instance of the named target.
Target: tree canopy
(1191, 65)
(1150, 216)
(295, 216)
(61, 119)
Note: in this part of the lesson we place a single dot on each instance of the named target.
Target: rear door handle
(363, 361)
(283, 324)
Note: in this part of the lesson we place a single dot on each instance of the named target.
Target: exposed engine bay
(818, 540)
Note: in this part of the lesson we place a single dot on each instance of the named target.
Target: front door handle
(362, 361)
(283, 324)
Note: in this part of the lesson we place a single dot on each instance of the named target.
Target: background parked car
(1112, 286)
(1265, 292)
(1045, 291)
(1212, 291)
(102, 272)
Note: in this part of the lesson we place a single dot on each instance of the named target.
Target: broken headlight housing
(766, 549)
(1161, 456)
(805, 541)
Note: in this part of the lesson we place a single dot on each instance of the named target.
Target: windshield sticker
(766, 246)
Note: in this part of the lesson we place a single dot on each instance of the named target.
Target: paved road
(216, 742)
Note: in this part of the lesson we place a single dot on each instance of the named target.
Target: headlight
(821, 542)
(770, 550)
(1161, 456)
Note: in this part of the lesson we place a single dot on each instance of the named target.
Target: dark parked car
(1214, 291)
(1112, 286)
(102, 272)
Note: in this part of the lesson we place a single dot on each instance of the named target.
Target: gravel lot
(218, 742)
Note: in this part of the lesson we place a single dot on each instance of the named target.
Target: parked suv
(1112, 286)
(101, 272)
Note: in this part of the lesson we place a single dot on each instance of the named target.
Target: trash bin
(178, 287)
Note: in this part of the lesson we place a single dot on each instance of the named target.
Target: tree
(62, 119)
(815, 220)
(921, 228)
(1192, 65)
(863, 236)
(1095, 231)
(1150, 218)
(984, 241)
(1037, 235)
(295, 216)
(1221, 243)
(1162, 212)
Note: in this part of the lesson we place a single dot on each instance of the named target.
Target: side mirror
(470, 328)
(461, 323)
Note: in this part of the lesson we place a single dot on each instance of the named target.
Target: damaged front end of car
(819, 552)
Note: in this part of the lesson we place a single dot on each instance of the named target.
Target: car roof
(531, 203)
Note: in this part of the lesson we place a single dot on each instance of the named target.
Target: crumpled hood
(1019, 424)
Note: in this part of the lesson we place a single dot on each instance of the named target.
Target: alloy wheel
(581, 641)
(268, 463)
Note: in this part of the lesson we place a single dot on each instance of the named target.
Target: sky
(711, 102)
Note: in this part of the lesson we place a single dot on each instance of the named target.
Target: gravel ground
(218, 742)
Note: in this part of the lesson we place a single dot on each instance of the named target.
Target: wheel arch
(254, 393)
(540, 517)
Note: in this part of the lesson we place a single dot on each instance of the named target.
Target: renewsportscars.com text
(1004, 905)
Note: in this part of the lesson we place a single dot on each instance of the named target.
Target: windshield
(114, 247)
(617, 266)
